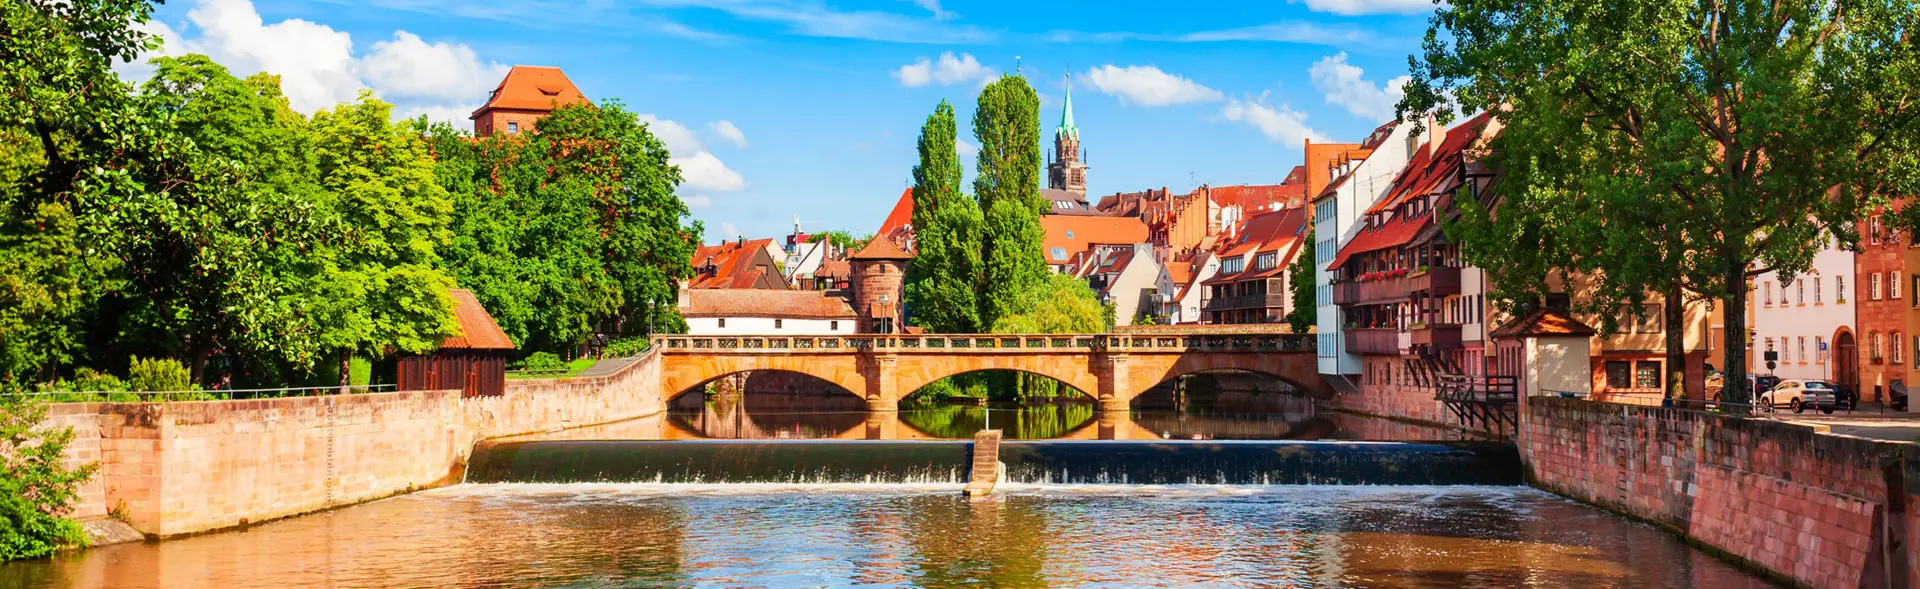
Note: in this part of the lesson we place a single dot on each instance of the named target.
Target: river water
(727, 536)
(923, 534)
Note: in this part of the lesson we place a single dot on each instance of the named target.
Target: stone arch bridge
(1112, 368)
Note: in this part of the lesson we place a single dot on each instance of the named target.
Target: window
(777, 324)
(1619, 374)
(1840, 288)
(1232, 265)
(513, 127)
(1816, 290)
(1801, 349)
(1646, 374)
(1916, 346)
(1893, 285)
(1266, 261)
(833, 326)
(1873, 292)
(1800, 291)
(1876, 347)
(1898, 358)
(1059, 254)
(723, 322)
(1069, 234)
(1819, 350)
(1767, 288)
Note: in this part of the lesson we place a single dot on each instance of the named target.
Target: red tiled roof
(834, 269)
(532, 87)
(898, 220)
(882, 249)
(1273, 231)
(1115, 261)
(1394, 233)
(1074, 233)
(1430, 168)
(477, 329)
(1261, 198)
(1544, 322)
(732, 265)
(783, 304)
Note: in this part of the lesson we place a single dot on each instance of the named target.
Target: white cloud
(728, 231)
(728, 133)
(697, 201)
(1343, 85)
(408, 66)
(703, 171)
(949, 70)
(933, 6)
(1278, 122)
(679, 139)
(317, 65)
(1355, 7)
(1286, 32)
(1146, 85)
(964, 149)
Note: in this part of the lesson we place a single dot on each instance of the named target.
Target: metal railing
(200, 395)
(988, 343)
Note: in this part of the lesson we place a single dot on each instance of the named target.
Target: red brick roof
(532, 87)
(1544, 322)
(477, 329)
(732, 264)
(782, 304)
(1071, 234)
(881, 249)
(899, 222)
(1430, 169)
(1396, 232)
(1273, 231)
(1261, 198)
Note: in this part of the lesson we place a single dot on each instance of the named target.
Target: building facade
(1885, 308)
(527, 94)
(1344, 180)
(766, 312)
(1807, 322)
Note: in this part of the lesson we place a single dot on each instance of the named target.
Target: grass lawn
(573, 368)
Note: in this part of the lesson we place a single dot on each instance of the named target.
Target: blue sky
(810, 108)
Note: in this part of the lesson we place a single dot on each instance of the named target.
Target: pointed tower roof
(1066, 115)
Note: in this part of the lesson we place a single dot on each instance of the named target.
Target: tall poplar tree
(1007, 124)
(1757, 130)
(941, 281)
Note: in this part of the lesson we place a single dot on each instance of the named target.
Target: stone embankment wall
(1823, 510)
(186, 467)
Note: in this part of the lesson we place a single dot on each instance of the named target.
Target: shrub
(543, 361)
(622, 348)
(159, 374)
(36, 487)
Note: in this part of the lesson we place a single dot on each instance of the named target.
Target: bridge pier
(1114, 394)
(881, 394)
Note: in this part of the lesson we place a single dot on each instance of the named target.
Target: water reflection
(751, 536)
(779, 416)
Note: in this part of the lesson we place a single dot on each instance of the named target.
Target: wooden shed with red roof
(474, 361)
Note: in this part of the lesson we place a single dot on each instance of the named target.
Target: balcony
(1256, 301)
(1373, 342)
(1441, 336)
(1437, 282)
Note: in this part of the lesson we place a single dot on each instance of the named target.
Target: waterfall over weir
(1033, 462)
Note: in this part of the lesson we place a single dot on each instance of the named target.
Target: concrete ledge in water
(987, 468)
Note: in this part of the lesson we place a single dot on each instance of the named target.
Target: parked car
(1759, 384)
(1800, 395)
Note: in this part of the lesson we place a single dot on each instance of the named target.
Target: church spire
(1066, 116)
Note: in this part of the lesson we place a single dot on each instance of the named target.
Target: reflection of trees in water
(770, 415)
(1033, 422)
(962, 543)
(993, 385)
(1224, 392)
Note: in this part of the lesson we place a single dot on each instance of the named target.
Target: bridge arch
(687, 372)
(1148, 371)
(1070, 390)
(1072, 370)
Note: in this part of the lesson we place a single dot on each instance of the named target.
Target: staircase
(987, 468)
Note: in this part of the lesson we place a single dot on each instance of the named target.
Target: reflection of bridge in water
(1114, 369)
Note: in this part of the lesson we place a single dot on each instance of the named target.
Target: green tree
(1007, 184)
(941, 281)
(568, 228)
(36, 486)
(842, 239)
(1305, 312)
(1756, 131)
(379, 288)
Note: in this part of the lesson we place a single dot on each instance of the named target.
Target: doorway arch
(1846, 360)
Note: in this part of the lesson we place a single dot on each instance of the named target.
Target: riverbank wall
(177, 468)
(1820, 510)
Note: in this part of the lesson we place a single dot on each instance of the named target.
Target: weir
(1277, 462)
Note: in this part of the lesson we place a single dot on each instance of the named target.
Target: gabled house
(1183, 290)
(527, 94)
(1068, 235)
(1129, 279)
(737, 264)
(1251, 284)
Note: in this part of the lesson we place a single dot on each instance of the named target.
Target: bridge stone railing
(987, 343)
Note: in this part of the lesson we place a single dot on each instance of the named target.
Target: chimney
(1436, 134)
(682, 298)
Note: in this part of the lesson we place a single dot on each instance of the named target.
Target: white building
(1183, 289)
(766, 312)
(1358, 176)
(1807, 319)
(1130, 279)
